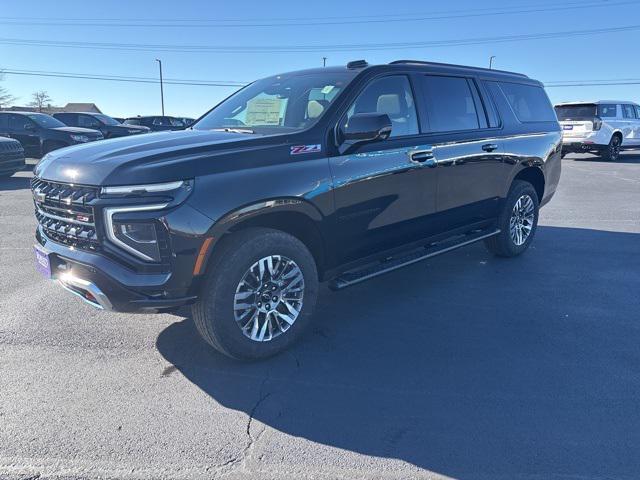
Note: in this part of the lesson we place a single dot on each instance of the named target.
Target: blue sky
(612, 55)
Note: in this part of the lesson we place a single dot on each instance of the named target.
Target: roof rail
(421, 62)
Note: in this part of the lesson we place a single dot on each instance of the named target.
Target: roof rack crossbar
(421, 62)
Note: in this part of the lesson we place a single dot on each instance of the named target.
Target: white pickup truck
(603, 127)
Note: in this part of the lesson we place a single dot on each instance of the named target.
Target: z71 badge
(298, 149)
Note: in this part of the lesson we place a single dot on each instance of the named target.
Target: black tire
(503, 244)
(214, 315)
(612, 152)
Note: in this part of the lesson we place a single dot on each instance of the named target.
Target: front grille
(65, 213)
(11, 146)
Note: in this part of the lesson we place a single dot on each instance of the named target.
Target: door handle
(489, 147)
(422, 156)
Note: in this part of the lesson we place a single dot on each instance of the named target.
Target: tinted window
(132, 121)
(3, 121)
(450, 103)
(391, 95)
(161, 121)
(87, 121)
(176, 122)
(18, 122)
(573, 112)
(637, 111)
(607, 110)
(529, 103)
(628, 111)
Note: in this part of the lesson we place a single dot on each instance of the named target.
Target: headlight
(137, 189)
(137, 237)
(79, 138)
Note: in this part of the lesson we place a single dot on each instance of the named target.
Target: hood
(137, 159)
(78, 130)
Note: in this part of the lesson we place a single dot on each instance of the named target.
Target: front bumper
(108, 285)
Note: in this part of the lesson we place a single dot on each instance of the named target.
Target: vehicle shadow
(14, 183)
(465, 365)
(625, 157)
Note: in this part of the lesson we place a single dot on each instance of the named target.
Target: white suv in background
(603, 127)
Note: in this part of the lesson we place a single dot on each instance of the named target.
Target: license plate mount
(43, 262)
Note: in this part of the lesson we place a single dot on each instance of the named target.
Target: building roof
(81, 107)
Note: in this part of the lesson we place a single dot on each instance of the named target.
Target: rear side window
(450, 103)
(637, 111)
(530, 103)
(3, 121)
(628, 111)
(607, 110)
(132, 121)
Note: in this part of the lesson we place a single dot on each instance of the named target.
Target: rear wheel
(611, 152)
(517, 221)
(258, 296)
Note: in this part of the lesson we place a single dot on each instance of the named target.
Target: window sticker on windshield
(326, 90)
(263, 111)
(298, 149)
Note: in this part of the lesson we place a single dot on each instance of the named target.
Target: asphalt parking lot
(464, 366)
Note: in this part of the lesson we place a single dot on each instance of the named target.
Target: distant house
(81, 107)
(69, 107)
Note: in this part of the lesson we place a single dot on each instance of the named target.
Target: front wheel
(517, 221)
(258, 296)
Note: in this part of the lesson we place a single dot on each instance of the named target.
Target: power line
(230, 83)
(315, 48)
(192, 23)
(116, 78)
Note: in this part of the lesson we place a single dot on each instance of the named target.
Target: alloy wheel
(268, 299)
(614, 148)
(521, 221)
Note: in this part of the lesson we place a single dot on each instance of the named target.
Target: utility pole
(491, 61)
(324, 61)
(161, 87)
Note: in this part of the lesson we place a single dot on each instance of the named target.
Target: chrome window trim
(149, 188)
(108, 218)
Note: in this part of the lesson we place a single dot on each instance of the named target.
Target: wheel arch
(299, 218)
(535, 177)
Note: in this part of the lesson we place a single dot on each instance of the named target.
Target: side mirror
(364, 128)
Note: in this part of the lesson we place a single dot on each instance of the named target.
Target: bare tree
(6, 98)
(41, 100)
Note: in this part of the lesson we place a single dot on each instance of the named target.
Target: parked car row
(603, 127)
(39, 133)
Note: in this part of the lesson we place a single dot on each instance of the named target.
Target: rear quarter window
(529, 102)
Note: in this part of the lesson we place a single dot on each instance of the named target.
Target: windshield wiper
(233, 130)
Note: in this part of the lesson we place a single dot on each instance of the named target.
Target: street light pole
(324, 61)
(491, 61)
(161, 87)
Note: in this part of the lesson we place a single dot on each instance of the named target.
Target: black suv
(40, 134)
(109, 127)
(11, 157)
(334, 174)
(157, 123)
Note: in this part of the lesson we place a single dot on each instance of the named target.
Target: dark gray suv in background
(334, 174)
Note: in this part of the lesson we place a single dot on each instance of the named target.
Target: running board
(356, 276)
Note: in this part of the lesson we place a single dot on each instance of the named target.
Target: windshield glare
(278, 104)
(46, 121)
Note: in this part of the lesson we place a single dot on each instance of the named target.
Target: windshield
(278, 104)
(569, 112)
(106, 119)
(46, 121)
